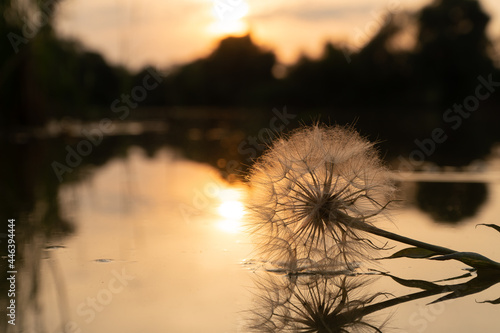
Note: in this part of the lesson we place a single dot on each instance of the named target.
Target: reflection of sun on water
(231, 211)
(229, 15)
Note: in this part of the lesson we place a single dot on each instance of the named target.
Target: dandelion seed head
(308, 187)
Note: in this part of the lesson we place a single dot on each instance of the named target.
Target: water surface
(154, 243)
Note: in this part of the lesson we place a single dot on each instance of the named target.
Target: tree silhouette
(452, 49)
(230, 75)
(44, 76)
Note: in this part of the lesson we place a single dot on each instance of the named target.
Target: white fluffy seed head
(308, 187)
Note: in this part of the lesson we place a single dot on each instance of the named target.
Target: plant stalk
(469, 258)
(360, 225)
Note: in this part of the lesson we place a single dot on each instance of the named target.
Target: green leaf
(494, 226)
(472, 259)
(412, 252)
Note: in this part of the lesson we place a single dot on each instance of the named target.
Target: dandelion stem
(361, 225)
(469, 258)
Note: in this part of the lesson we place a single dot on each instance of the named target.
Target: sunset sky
(167, 32)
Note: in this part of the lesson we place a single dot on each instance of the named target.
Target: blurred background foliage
(402, 92)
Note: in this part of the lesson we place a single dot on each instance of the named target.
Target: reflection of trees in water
(451, 202)
(30, 194)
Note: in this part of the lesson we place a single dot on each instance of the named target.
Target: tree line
(49, 77)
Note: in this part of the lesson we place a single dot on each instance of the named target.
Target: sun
(229, 17)
(231, 211)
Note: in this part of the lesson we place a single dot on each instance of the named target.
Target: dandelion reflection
(314, 303)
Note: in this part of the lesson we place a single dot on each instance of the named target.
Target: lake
(148, 238)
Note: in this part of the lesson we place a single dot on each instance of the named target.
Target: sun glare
(231, 211)
(229, 17)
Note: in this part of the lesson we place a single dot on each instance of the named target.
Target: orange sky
(167, 32)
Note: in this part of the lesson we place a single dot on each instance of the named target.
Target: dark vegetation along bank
(437, 94)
